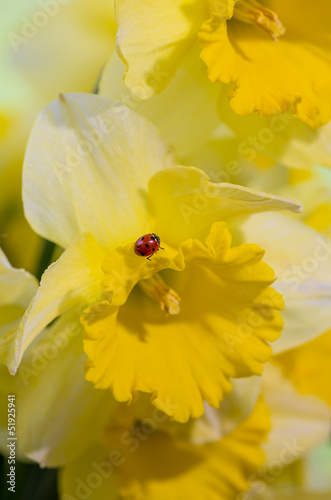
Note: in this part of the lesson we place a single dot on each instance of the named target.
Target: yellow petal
(307, 366)
(313, 187)
(233, 410)
(153, 39)
(52, 371)
(17, 287)
(184, 111)
(284, 138)
(227, 315)
(301, 258)
(71, 282)
(299, 422)
(97, 148)
(193, 203)
(156, 466)
(271, 78)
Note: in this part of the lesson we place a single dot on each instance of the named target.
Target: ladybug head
(156, 237)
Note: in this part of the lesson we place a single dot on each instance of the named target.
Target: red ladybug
(147, 245)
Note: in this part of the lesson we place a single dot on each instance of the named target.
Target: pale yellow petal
(299, 422)
(59, 414)
(193, 203)
(153, 38)
(86, 168)
(307, 366)
(301, 258)
(184, 112)
(73, 281)
(234, 409)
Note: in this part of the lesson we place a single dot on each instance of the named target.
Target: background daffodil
(145, 458)
(278, 56)
(163, 467)
(194, 115)
(46, 47)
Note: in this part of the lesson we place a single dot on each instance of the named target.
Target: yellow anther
(159, 291)
(252, 12)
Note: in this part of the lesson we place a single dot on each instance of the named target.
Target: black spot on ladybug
(146, 245)
(153, 249)
(152, 238)
(142, 253)
(142, 237)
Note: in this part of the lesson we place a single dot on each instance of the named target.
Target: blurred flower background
(203, 372)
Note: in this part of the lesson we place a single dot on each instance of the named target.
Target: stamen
(159, 291)
(252, 12)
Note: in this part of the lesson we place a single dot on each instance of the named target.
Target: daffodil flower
(143, 459)
(134, 464)
(96, 178)
(277, 55)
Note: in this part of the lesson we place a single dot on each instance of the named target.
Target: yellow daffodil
(140, 458)
(144, 462)
(97, 177)
(277, 55)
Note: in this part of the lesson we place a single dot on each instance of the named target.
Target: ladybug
(147, 245)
